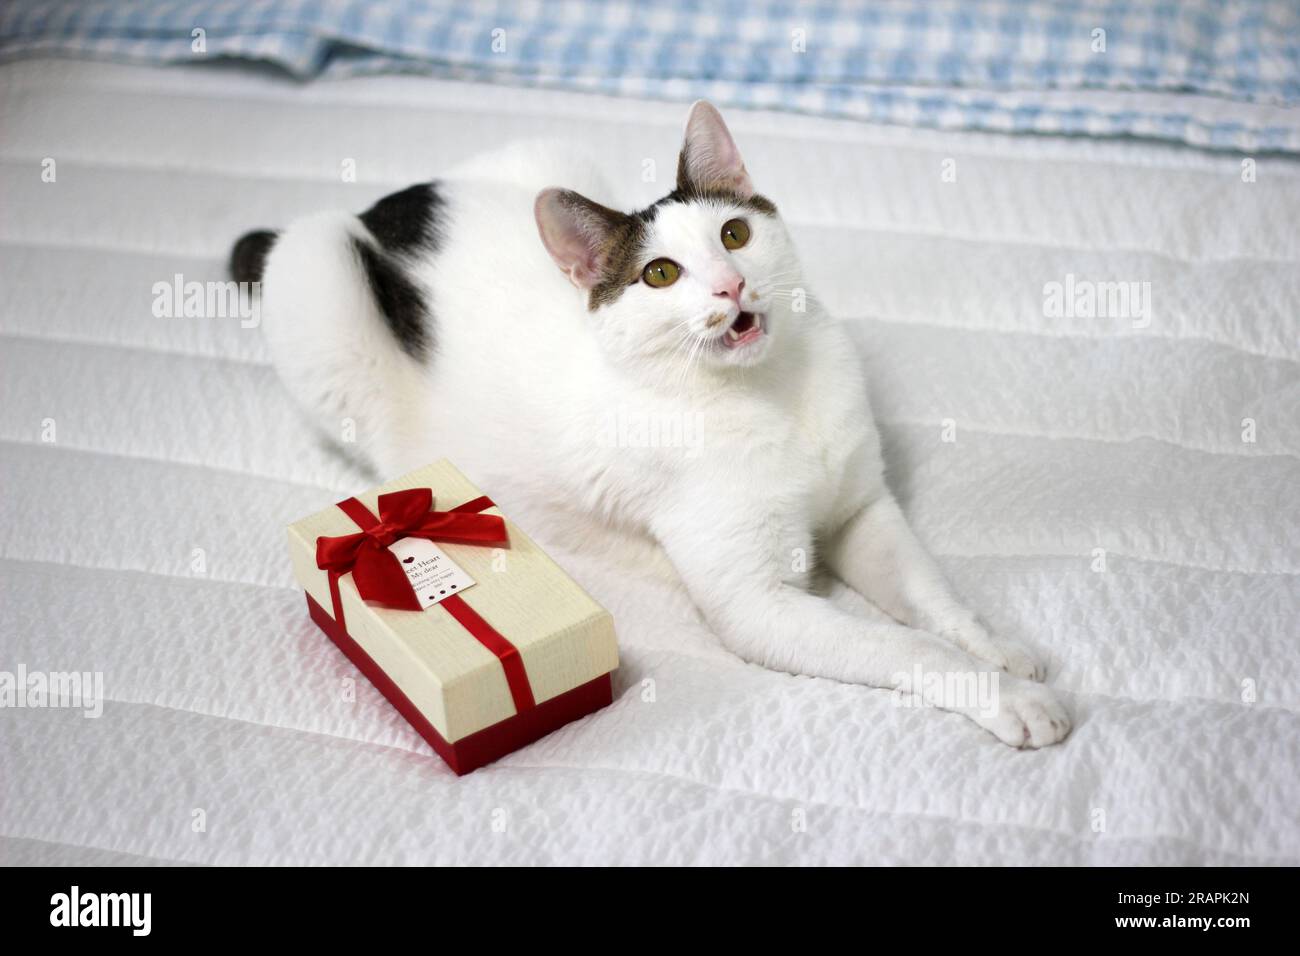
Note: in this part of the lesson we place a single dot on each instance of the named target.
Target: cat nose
(729, 287)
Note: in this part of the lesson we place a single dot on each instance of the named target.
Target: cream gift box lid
(564, 638)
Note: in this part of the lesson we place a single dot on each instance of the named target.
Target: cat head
(701, 277)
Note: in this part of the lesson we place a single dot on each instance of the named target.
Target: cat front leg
(732, 574)
(877, 554)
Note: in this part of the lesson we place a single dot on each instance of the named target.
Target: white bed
(1180, 659)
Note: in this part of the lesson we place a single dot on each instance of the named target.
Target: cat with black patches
(498, 317)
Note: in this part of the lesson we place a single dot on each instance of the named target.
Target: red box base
(484, 746)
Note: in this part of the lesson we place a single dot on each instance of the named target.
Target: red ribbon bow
(379, 575)
(376, 571)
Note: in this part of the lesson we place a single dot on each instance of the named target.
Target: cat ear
(709, 157)
(578, 233)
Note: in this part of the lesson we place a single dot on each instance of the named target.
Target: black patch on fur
(398, 298)
(405, 224)
(248, 257)
(408, 220)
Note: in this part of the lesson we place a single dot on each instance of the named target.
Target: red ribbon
(379, 576)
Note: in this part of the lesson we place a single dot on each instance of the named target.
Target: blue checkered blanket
(962, 64)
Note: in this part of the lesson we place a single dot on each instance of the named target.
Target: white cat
(439, 322)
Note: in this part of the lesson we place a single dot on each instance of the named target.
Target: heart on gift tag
(433, 575)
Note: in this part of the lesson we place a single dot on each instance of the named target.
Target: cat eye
(661, 273)
(735, 233)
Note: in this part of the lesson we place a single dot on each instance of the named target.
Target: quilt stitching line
(212, 265)
(983, 429)
(723, 656)
(77, 341)
(267, 370)
(1043, 333)
(800, 222)
(177, 462)
(507, 764)
(79, 845)
(940, 554)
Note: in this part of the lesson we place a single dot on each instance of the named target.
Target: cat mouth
(748, 327)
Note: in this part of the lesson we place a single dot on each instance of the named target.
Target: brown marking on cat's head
(620, 257)
(600, 249)
(595, 246)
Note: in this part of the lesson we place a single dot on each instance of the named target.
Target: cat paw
(1016, 659)
(1028, 715)
(1008, 655)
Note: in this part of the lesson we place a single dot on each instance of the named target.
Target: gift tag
(433, 575)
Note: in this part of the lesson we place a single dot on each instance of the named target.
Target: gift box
(471, 631)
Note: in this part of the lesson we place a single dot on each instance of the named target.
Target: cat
(493, 313)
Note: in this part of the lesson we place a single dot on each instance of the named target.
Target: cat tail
(248, 257)
(347, 328)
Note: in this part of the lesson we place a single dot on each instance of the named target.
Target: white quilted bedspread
(1179, 659)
